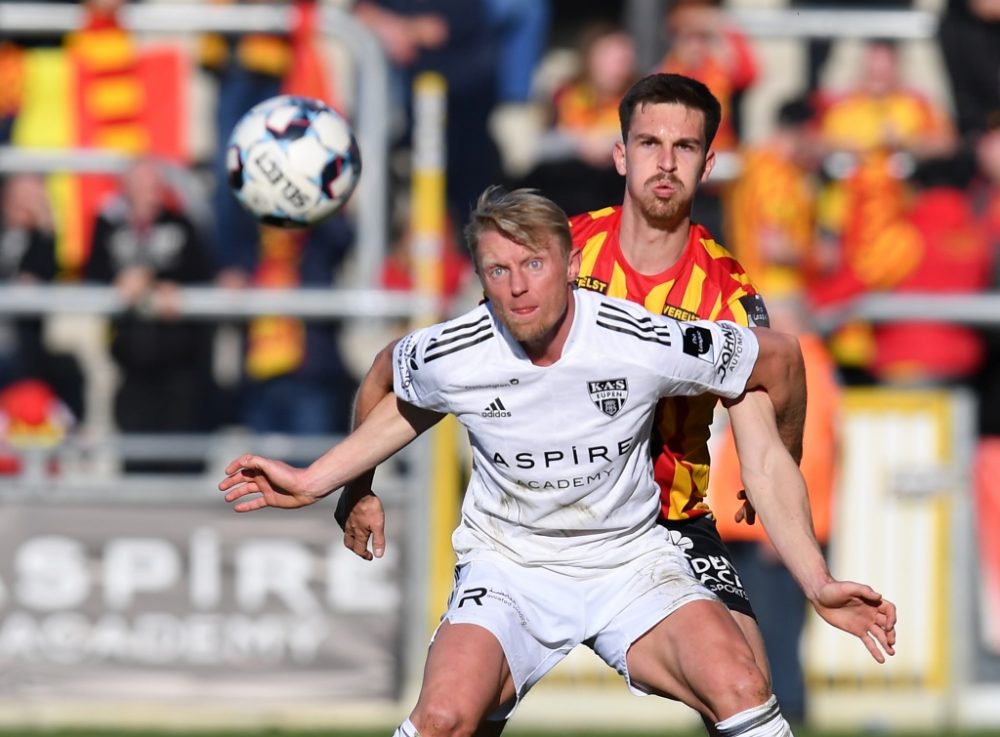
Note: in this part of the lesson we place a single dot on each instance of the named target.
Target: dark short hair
(671, 89)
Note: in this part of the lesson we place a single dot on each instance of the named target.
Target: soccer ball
(292, 161)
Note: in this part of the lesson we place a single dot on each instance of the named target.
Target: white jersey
(562, 476)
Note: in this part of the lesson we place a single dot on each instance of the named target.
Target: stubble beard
(530, 332)
(659, 211)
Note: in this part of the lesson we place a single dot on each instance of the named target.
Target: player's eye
(495, 272)
(535, 264)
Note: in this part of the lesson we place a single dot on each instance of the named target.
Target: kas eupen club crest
(608, 395)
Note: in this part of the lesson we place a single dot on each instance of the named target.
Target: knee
(439, 718)
(742, 687)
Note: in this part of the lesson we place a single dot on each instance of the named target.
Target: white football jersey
(562, 476)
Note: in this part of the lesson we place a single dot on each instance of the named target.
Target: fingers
(250, 505)
(889, 609)
(869, 642)
(244, 478)
(378, 540)
(247, 460)
(237, 492)
(876, 636)
(356, 540)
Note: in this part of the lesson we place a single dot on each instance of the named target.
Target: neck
(651, 247)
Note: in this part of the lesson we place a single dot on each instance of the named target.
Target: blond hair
(523, 215)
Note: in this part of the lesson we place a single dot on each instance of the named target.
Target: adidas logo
(495, 409)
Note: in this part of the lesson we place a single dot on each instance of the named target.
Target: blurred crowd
(868, 187)
(876, 187)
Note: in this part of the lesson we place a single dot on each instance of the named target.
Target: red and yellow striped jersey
(707, 283)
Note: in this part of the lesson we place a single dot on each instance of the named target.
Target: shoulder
(448, 343)
(738, 297)
(717, 261)
(619, 321)
(588, 224)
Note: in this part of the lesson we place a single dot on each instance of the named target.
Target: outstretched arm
(359, 511)
(780, 371)
(390, 426)
(775, 487)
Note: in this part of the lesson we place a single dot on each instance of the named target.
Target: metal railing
(218, 304)
(835, 23)
(372, 89)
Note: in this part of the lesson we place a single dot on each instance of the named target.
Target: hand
(361, 517)
(278, 484)
(166, 300)
(134, 284)
(861, 611)
(746, 513)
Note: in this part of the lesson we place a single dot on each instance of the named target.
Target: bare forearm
(791, 420)
(387, 428)
(782, 505)
(376, 384)
(781, 372)
(775, 487)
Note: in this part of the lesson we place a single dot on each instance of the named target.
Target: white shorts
(539, 616)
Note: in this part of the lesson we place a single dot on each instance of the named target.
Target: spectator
(985, 194)
(523, 28)
(953, 257)
(779, 604)
(986, 187)
(704, 45)
(818, 48)
(27, 256)
(770, 209)
(875, 133)
(881, 114)
(248, 69)
(969, 36)
(454, 39)
(575, 168)
(147, 248)
(295, 378)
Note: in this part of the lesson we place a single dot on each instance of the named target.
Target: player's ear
(709, 165)
(618, 155)
(573, 268)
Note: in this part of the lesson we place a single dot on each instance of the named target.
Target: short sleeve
(414, 380)
(715, 357)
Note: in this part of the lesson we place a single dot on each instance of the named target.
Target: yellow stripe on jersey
(739, 311)
(694, 292)
(617, 286)
(656, 300)
(716, 252)
(591, 250)
(603, 212)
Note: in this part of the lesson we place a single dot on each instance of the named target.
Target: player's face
(529, 289)
(664, 160)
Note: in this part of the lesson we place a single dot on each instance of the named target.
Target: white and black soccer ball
(292, 161)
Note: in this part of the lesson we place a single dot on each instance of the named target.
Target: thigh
(699, 656)
(466, 672)
(529, 612)
(637, 598)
